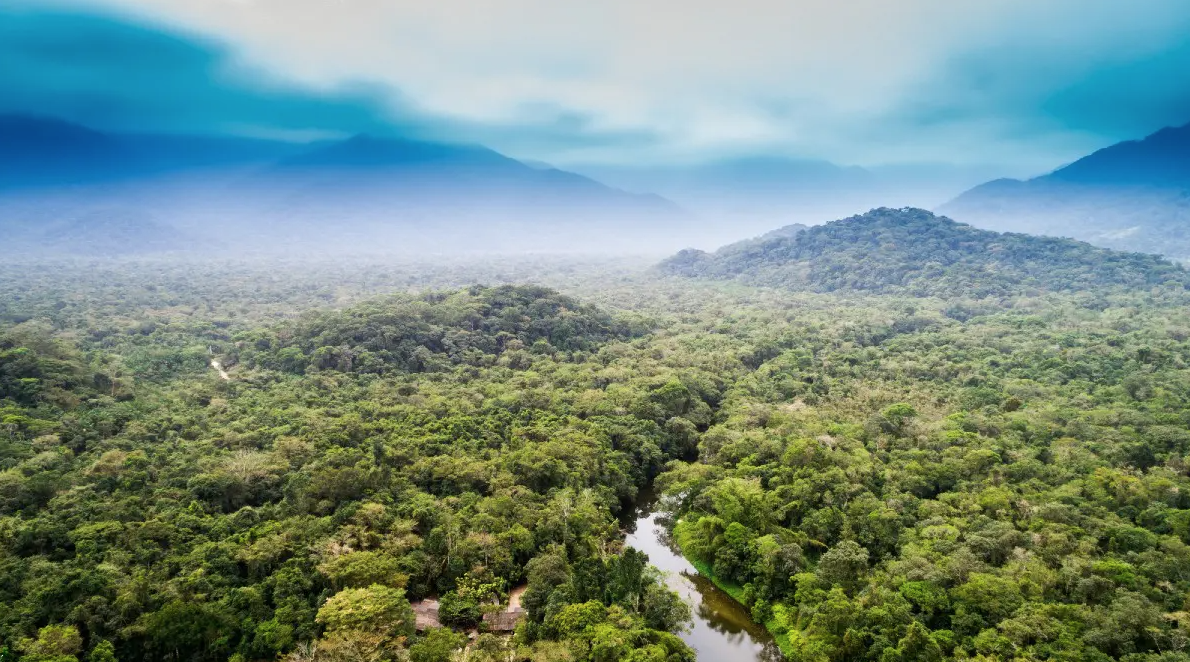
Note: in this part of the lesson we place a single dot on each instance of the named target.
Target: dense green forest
(879, 471)
(913, 252)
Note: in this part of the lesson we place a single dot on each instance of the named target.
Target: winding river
(723, 629)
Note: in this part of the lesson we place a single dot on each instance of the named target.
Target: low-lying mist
(217, 219)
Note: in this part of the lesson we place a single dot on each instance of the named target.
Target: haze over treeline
(70, 189)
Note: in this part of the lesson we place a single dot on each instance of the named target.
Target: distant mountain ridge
(912, 251)
(1161, 159)
(117, 232)
(754, 193)
(43, 151)
(426, 166)
(378, 193)
(1133, 195)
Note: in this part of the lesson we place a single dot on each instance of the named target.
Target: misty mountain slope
(377, 194)
(1161, 159)
(912, 251)
(407, 195)
(116, 232)
(755, 182)
(364, 152)
(394, 167)
(692, 262)
(41, 151)
(1134, 195)
(749, 195)
(44, 152)
(37, 151)
(787, 231)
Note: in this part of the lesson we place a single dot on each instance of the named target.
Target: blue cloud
(1128, 99)
(116, 74)
(1029, 94)
(1051, 97)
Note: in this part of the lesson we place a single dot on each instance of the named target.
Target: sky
(1022, 85)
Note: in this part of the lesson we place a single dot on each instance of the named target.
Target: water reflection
(723, 629)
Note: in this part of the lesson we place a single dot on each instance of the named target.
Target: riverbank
(721, 627)
(737, 593)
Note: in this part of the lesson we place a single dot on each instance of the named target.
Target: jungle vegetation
(993, 467)
(913, 252)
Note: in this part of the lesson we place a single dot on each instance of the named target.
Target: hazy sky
(1026, 84)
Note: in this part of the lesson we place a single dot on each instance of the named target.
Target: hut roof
(426, 613)
(503, 621)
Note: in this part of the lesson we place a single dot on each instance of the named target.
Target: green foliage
(459, 611)
(926, 518)
(880, 477)
(436, 645)
(104, 651)
(913, 252)
(54, 643)
(434, 332)
(377, 609)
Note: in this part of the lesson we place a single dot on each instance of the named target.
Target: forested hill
(434, 332)
(454, 444)
(912, 251)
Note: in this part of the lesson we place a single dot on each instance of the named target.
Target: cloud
(865, 81)
(1053, 87)
(107, 72)
(126, 72)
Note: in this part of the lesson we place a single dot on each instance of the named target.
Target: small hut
(426, 613)
(506, 620)
(503, 621)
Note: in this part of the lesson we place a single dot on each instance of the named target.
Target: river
(723, 629)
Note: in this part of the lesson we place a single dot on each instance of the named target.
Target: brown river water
(723, 629)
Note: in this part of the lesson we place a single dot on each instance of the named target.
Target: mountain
(366, 193)
(113, 232)
(754, 188)
(420, 170)
(408, 195)
(748, 195)
(912, 251)
(46, 152)
(365, 152)
(1162, 159)
(787, 231)
(38, 151)
(1134, 195)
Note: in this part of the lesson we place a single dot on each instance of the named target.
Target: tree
(918, 645)
(436, 645)
(188, 630)
(546, 572)
(626, 578)
(104, 651)
(457, 610)
(993, 596)
(360, 569)
(896, 418)
(844, 564)
(377, 618)
(54, 643)
(662, 608)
